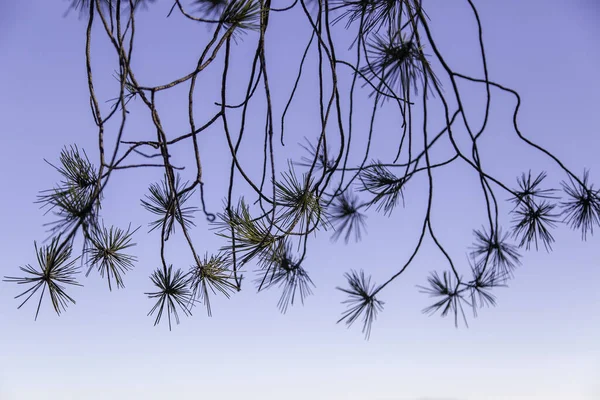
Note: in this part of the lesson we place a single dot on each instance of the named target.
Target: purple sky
(540, 342)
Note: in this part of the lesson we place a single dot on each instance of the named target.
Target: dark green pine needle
(450, 297)
(312, 158)
(530, 189)
(398, 62)
(247, 236)
(480, 288)
(582, 209)
(494, 250)
(361, 301)
(83, 6)
(55, 271)
(73, 199)
(241, 15)
(387, 187)
(163, 203)
(106, 253)
(373, 13)
(173, 294)
(279, 268)
(299, 206)
(211, 8)
(532, 224)
(346, 218)
(211, 275)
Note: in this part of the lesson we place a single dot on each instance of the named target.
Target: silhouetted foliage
(271, 210)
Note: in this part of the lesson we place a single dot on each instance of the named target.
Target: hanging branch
(391, 59)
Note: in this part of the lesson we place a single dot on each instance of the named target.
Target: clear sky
(540, 342)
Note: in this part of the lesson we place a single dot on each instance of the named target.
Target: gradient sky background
(540, 342)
